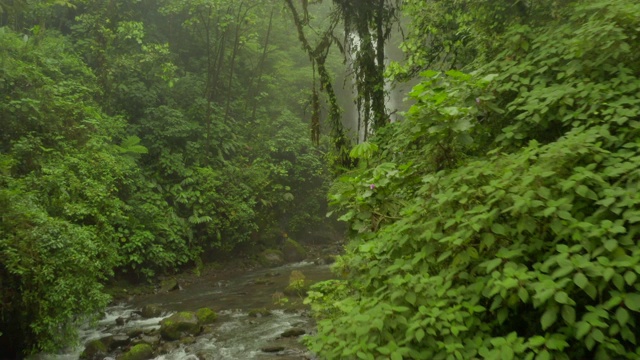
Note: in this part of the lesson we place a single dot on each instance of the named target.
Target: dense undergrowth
(140, 139)
(501, 219)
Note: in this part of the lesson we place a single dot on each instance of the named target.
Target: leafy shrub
(530, 251)
(59, 176)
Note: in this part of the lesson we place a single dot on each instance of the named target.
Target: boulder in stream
(117, 341)
(170, 284)
(293, 332)
(150, 339)
(151, 311)
(206, 316)
(272, 348)
(260, 312)
(293, 251)
(94, 349)
(271, 258)
(178, 325)
(138, 352)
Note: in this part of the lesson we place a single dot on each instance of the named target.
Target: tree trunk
(260, 69)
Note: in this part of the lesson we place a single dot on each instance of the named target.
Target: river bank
(259, 315)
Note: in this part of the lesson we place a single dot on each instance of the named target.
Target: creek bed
(235, 335)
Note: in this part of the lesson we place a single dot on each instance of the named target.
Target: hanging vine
(318, 56)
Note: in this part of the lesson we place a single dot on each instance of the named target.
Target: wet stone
(293, 332)
(95, 349)
(134, 333)
(151, 311)
(272, 349)
(118, 341)
(151, 340)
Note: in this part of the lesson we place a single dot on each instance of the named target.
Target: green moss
(185, 315)
(172, 328)
(138, 352)
(206, 316)
(293, 251)
(93, 348)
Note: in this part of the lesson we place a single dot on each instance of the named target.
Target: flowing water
(235, 335)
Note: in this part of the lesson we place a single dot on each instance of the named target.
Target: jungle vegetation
(141, 138)
(499, 219)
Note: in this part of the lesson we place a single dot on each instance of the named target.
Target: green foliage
(58, 194)
(505, 214)
(158, 146)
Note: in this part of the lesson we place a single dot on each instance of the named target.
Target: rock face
(271, 258)
(179, 325)
(293, 251)
(206, 316)
(138, 352)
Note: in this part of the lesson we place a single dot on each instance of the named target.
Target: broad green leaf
(549, 317)
(632, 302)
(622, 315)
(582, 328)
(580, 280)
(543, 355)
(569, 314)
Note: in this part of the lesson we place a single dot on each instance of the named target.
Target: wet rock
(121, 321)
(330, 259)
(260, 312)
(138, 352)
(167, 347)
(151, 340)
(117, 341)
(206, 316)
(134, 333)
(293, 251)
(151, 311)
(169, 285)
(271, 258)
(293, 332)
(179, 325)
(187, 340)
(94, 350)
(272, 348)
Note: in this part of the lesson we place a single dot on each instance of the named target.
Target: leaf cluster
(522, 242)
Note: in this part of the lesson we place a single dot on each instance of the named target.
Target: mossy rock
(260, 312)
(178, 325)
(151, 311)
(170, 284)
(95, 349)
(138, 352)
(271, 258)
(293, 251)
(206, 316)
